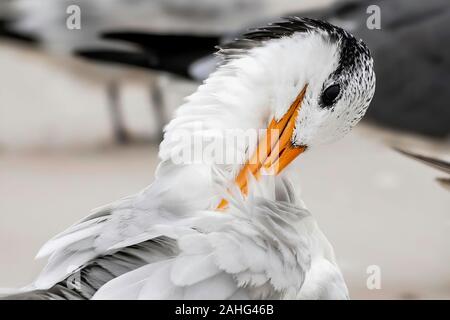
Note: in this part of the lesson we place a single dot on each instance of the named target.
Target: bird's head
(316, 82)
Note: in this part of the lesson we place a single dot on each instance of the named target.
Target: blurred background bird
(438, 164)
(42, 23)
(59, 137)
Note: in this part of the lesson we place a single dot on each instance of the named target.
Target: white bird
(209, 230)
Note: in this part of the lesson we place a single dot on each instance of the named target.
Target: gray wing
(84, 283)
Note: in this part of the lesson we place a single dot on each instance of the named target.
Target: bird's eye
(330, 94)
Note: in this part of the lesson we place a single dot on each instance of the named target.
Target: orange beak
(274, 151)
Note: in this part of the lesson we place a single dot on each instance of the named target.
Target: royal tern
(410, 33)
(238, 230)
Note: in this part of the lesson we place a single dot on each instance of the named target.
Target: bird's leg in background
(118, 125)
(157, 101)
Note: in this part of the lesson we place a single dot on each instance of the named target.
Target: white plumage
(267, 247)
(170, 242)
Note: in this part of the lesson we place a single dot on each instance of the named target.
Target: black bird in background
(411, 52)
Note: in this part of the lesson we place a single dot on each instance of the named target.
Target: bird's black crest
(256, 37)
(289, 26)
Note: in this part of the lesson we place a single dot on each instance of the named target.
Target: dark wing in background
(173, 53)
(7, 31)
(436, 163)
